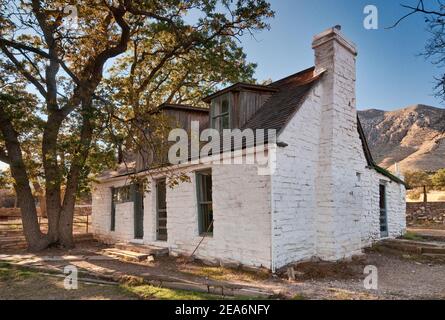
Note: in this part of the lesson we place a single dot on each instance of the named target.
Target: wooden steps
(135, 252)
(143, 249)
(415, 247)
(127, 255)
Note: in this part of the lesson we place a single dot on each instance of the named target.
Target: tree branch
(23, 71)
(420, 8)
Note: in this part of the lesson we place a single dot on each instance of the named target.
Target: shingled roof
(288, 94)
(282, 105)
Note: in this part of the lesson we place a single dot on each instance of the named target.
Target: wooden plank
(149, 250)
(127, 255)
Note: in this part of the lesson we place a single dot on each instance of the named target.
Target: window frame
(117, 196)
(158, 183)
(383, 210)
(204, 228)
(217, 116)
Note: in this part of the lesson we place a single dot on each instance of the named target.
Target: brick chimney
(340, 153)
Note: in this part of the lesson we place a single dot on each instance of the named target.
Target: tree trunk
(69, 199)
(425, 195)
(66, 238)
(53, 215)
(35, 239)
(52, 174)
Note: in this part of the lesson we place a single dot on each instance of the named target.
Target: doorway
(383, 212)
(138, 192)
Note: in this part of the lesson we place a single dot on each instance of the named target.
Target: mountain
(413, 137)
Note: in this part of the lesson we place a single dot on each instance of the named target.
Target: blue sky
(390, 72)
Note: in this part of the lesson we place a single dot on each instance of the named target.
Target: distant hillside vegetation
(414, 137)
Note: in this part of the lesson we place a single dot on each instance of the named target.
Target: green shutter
(138, 198)
(204, 200)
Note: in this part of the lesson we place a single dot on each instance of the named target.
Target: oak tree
(169, 50)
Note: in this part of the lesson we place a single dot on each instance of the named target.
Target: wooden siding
(247, 103)
(182, 118)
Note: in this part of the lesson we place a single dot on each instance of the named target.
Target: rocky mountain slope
(413, 137)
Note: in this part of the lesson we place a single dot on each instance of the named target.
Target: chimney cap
(333, 34)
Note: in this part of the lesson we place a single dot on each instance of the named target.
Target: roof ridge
(182, 107)
(299, 73)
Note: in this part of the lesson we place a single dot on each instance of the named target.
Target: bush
(417, 179)
(438, 179)
(415, 194)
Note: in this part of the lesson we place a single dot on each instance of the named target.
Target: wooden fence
(11, 220)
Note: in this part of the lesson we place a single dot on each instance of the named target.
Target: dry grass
(412, 236)
(225, 274)
(157, 293)
(21, 283)
(329, 270)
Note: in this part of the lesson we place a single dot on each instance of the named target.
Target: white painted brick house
(327, 198)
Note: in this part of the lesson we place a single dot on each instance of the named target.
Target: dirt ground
(19, 284)
(400, 276)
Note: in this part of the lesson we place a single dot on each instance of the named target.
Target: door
(138, 193)
(161, 210)
(383, 212)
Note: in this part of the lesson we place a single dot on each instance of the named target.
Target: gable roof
(239, 86)
(370, 160)
(281, 106)
(184, 107)
(288, 94)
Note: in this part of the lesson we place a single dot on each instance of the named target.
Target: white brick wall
(341, 155)
(325, 201)
(101, 213)
(396, 208)
(241, 209)
(293, 185)
(241, 204)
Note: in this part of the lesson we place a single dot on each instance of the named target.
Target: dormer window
(221, 112)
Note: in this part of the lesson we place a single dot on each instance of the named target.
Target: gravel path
(398, 278)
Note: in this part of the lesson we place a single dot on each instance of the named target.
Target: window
(221, 113)
(205, 209)
(119, 195)
(161, 207)
(122, 194)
